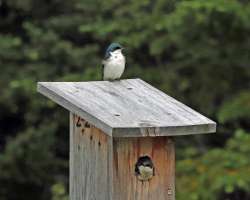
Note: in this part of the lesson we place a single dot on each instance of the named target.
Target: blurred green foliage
(230, 110)
(221, 173)
(58, 192)
(197, 51)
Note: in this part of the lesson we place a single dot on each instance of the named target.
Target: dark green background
(197, 51)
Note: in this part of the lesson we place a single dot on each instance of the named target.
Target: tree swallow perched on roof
(113, 63)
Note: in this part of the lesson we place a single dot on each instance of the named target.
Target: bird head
(113, 47)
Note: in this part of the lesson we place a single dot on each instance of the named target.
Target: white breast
(146, 173)
(114, 66)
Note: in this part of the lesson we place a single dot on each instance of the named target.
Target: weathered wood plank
(126, 152)
(90, 162)
(127, 108)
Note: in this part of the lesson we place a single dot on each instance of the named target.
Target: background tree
(197, 51)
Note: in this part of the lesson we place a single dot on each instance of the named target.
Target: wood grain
(103, 168)
(126, 152)
(127, 108)
(90, 159)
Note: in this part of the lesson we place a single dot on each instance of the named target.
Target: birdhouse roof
(127, 108)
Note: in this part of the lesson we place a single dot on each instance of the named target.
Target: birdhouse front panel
(133, 159)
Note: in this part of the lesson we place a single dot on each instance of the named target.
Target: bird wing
(104, 61)
(102, 71)
(107, 55)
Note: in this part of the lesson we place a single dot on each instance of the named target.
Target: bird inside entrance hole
(113, 64)
(144, 168)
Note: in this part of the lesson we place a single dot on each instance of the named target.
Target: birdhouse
(121, 138)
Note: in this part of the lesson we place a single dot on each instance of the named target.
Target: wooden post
(90, 161)
(121, 138)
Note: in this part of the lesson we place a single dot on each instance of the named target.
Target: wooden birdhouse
(121, 138)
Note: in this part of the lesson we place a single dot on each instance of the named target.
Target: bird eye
(116, 48)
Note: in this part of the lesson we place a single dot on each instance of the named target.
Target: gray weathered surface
(127, 108)
(90, 162)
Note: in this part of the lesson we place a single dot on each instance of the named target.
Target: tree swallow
(144, 168)
(113, 64)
